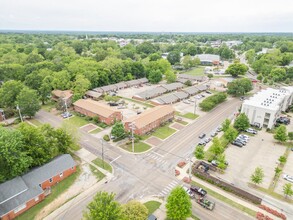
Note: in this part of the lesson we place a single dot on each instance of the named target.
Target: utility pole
(17, 107)
(102, 151)
(190, 166)
(132, 138)
(65, 105)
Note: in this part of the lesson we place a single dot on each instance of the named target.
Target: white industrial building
(266, 106)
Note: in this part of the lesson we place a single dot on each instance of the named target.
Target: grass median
(99, 162)
(227, 200)
(152, 206)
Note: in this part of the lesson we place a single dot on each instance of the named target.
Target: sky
(148, 15)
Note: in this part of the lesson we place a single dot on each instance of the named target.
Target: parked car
(283, 120)
(202, 95)
(251, 131)
(216, 163)
(244, 136)
(214, 133)
(202, 135)
(207, 140)
(113, 104)
(242, 98)
(208, 92)
(202, 143)
(186, 102)
(66, 114)
(237, 143)
(288, 178)
(152, 217)
(241, 141)
(121, 107)
(219, 129)
(198, 97)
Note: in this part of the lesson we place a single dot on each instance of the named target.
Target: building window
(19, 208)
(72, 168)
(61, 175)
(51, 180)
(37, 199)
(40, 185)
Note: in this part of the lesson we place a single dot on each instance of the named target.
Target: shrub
(106, 137)
(274, 212)
(181, 164)
(212, 101)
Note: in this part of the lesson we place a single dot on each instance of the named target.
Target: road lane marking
(158, 154)
(115, 159)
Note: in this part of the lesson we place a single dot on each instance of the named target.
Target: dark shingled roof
(21, 189)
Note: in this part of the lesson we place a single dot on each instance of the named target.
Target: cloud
(151, 15)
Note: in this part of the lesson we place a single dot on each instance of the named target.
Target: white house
(266, 106)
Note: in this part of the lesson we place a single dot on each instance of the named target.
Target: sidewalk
(183, 173)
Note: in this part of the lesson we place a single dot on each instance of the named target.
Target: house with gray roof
(191, 90)
(23, 192)
(150, 93)
(173, 86)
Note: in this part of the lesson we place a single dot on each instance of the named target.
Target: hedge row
(212, 101)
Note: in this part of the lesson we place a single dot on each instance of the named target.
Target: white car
(186, 102)
(251, 131)
(288, 178)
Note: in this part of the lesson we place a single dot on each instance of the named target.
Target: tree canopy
(178, 204)
(241, 122)
(236, 69)
(239, 87)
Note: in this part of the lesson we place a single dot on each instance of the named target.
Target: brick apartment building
(23, 192)
(150, 119)
(93, 108)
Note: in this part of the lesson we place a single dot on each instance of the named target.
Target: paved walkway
(183, 173)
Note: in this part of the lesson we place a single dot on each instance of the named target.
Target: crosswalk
(153, 156)
(168, 188)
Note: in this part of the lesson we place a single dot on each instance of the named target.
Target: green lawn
(57, 190)
(188, 115)
(164, 132)
(49, 105)
(77, 121)
(152, 206)
(99, 175)
(182, 122)
(99, 162)
(138, 147)
(228, 201)
(97, 130)
(198, 71)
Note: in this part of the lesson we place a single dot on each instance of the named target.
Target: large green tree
(226, 124)
(281, 134)
(178, 204)
(239, 87)
(170, 76)
(217, 147)
(230, 134)
(8, 93)
(174, 57)
(236, 69)
(28, 102)
(241, 122)
(199, 152)
(257, 176)
(134, 210)
(13, 159)
(118, 130)
(155, 76)
(104, 207)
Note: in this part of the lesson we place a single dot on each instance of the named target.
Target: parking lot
(262, 151)
(288, 169)
(185, 107)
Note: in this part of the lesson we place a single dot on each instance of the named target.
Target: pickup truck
(206, 203)
(198, 191)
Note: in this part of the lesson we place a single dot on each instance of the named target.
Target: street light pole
(17, 107)
(132, 138)
(102, 151)
(65, 104)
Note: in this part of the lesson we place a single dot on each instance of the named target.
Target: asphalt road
(151, 173)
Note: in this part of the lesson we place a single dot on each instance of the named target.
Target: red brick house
(93, 108)
(150, 119)
(23, 192)
(66, 95)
